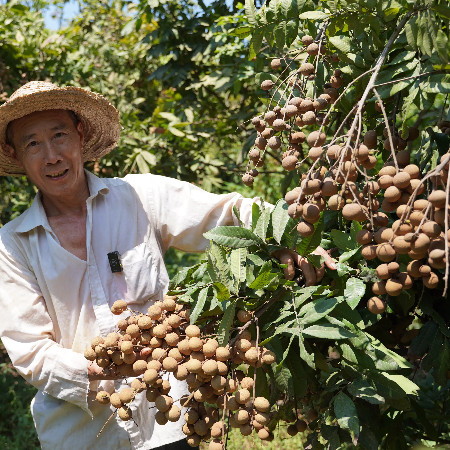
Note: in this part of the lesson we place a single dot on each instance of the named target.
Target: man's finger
(320, 272)
(286, 257)
(328, 260)
(308, 271)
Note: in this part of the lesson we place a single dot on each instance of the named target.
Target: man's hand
(95, 372)
(311, 273)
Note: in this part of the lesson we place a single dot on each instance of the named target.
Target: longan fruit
(305, 229)
(430, 281)
(385, 252)
(194, 439)
(194, 366)
(376, 305)
(268, 357)
(242, 396)
(379, 288)
(222, 354)
(201, 427)
(139, 367)
(119, 306)
(394, 287)
(158, 354)
(103, 397)
(301, 426)
(209, 348)
(192, 331)
(173, 414)
(90, 354)
(188, 429)
(125, 413)
(306, 69)
(115, 400)
(126, 395)
(155, 312)
(163, 403)
(336, 202)
(267, 85)
(368, 252)
(183, 347)
(316, 139)
(195, 344)
(241, 416)
(261, 404)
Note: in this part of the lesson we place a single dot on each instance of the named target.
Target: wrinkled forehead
(37, 119)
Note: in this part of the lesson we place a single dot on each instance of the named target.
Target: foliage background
(185, 76)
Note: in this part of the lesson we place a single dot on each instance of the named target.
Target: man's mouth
(58, 174)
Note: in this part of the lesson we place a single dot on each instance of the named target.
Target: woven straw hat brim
(99, 118)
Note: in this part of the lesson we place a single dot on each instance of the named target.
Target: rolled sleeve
(183, 211)
(28, 335)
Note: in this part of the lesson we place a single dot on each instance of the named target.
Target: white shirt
(52, 303)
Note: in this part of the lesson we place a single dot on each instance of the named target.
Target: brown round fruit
(376, 306)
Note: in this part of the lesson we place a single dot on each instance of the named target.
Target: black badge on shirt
(114, 262)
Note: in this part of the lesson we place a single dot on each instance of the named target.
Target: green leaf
(279, 34)
(263, 224)
(291, 32)
(221, 265)
(199, 304)
(238, 257)
(256, 212)
(342, 43)
(354, 291)
(264, 277)
(327, 331)
(223, 331)
(233, 237)
(250, 12)
(408, 386)
(222, 292)
(346, 414)
(411, 31)
(303, 294)
(441, 10)
(313, 15)
(255, 42)
(442, 45)
(280, 219)
(362, 389)
(309, 244)
(305, 355)
(289, 9)
(347, 255)
(342, 240)
(315, 310)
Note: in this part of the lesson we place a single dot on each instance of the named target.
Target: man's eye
(32, 144)
(58, 135)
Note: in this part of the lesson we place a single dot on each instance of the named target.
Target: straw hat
(99, 118)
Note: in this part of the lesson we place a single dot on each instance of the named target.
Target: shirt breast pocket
(140, 279)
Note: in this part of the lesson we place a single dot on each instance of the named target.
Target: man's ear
(12, 154)
(80, 132)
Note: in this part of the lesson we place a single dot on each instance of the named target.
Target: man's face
(48, 146)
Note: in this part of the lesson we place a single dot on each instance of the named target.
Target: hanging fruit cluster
(403, 210)
(149, 346)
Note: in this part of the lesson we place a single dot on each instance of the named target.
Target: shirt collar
(35, 215)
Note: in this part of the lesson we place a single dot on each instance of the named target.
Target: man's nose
(52, 154)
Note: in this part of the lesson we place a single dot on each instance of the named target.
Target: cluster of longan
(338, 180)
(216, 383)
(148, 346)
(297, 112)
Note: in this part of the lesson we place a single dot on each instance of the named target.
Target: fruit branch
(371, 83)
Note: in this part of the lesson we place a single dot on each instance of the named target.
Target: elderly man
(56, 280)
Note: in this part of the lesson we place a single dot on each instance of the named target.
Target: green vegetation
(186, 77)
